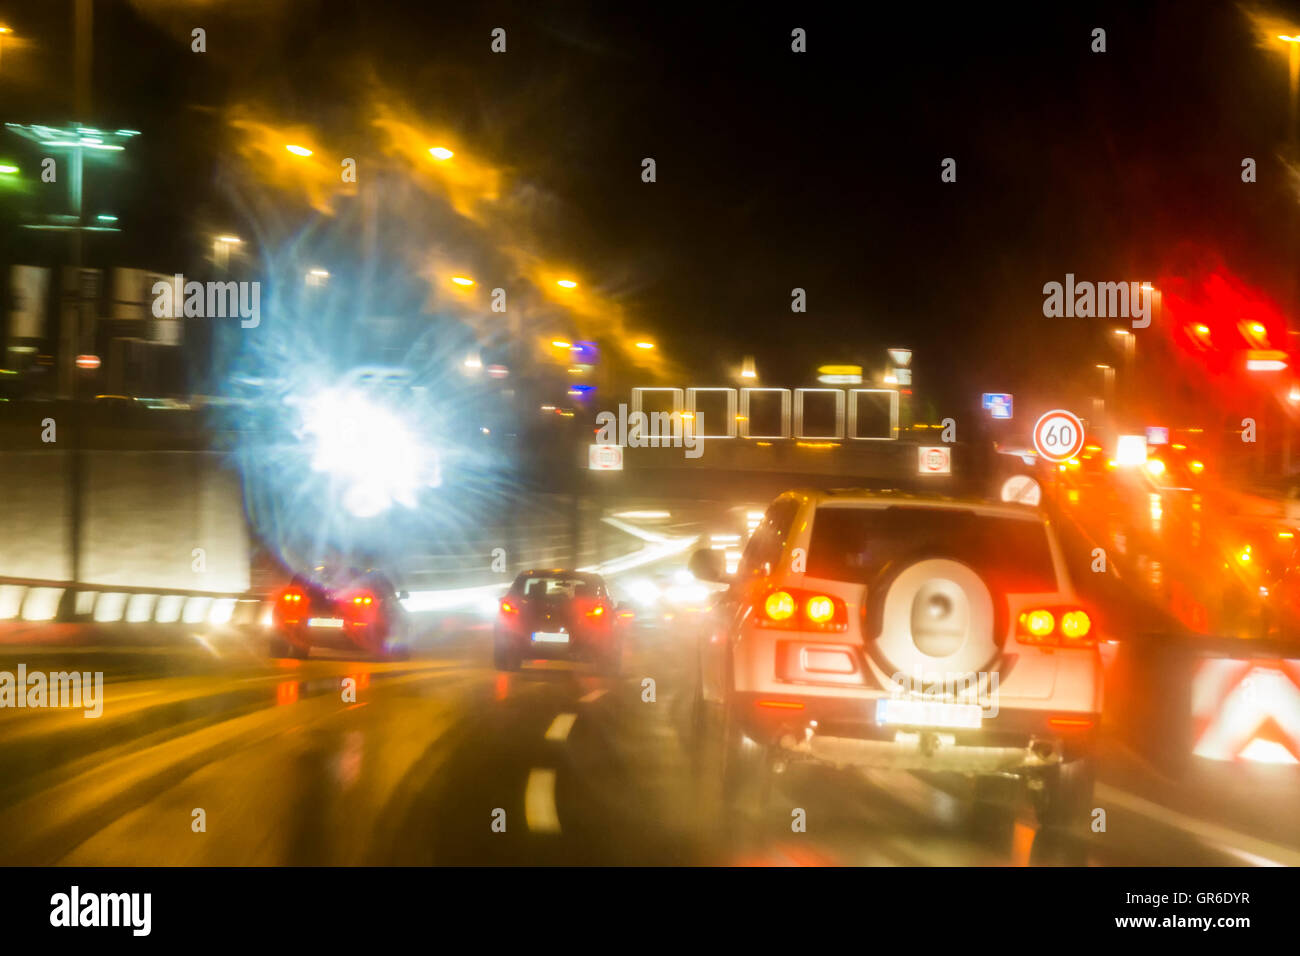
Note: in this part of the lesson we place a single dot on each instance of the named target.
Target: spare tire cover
(938, 617)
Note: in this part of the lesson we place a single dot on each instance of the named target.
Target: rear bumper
(844, 732)
(342, 638)
(581, 643)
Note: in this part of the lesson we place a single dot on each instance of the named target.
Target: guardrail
(33, 599)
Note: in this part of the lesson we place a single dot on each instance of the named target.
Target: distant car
(888, 631)
(558, 614)
(350, 609)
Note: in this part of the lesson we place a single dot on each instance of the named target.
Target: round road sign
(1058, 435)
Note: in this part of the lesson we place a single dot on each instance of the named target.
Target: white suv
(872, 629)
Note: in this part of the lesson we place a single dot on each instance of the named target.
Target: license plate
(928, 713)
(550, 637)
(324, 622)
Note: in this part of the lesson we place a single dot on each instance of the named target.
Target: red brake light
(508, 608)
(291, 597)
(597, 611)
(1070, 723)
(802, 610)
(363, 599)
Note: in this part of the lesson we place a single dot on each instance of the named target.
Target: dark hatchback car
(350, 610)
(558, 614)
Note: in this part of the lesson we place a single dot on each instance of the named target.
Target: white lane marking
(596, 694)
(539, 802)
(560, 726)
(1251, 849)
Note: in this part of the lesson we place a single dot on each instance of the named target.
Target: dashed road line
(560, 727)
(539, 802)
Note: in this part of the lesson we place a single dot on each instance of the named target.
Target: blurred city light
(1131, 450)
(840, 374)
(298, 150)
(1265, 360)
(368, 448)
(441, 152)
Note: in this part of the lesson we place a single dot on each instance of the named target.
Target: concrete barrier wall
(145, 514)
(34, 515)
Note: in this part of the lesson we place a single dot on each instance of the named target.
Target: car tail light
(781, 704)
(803, 610)
(597, 612)
(1076, 626)
(1055, 627)
(290, 606)
(361, 608)
(1036, 626)
(819, 609)
(508, 608)
(779, 606)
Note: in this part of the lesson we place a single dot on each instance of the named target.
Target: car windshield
(858, 544)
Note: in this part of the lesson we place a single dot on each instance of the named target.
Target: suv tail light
(291, 605)
(596, 613)
(1055, 627)
(507, 607)
(803, 610)
(361, 608)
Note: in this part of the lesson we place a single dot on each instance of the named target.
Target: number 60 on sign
(1058, 435)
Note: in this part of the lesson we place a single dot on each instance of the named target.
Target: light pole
(1128, 342)
(1293, 58)
(79, 142)
(221, 252)
(4, 31)
(1107, 385)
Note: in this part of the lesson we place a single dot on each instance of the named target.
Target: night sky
(775, 170)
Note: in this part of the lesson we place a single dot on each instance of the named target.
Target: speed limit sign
(1058, 435)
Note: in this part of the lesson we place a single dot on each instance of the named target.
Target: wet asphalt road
(442, 760)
